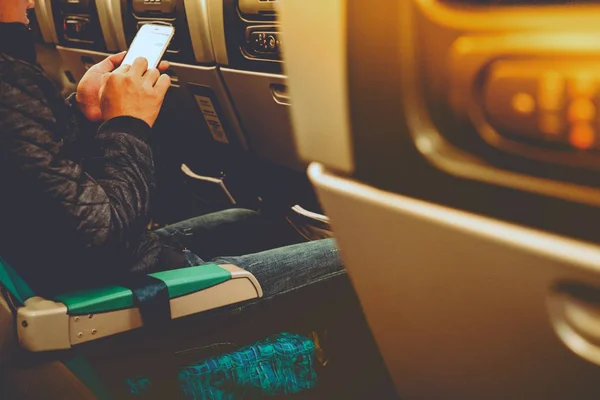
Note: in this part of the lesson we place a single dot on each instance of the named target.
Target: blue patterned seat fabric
(280, 365)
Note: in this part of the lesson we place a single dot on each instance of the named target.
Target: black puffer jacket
(74, 197)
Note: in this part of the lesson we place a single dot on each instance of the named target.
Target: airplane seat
(53, 350)
(86, 345)
(468, 230)
(51, 347)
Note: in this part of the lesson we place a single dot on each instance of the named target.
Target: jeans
(309, 289)
(243, 238)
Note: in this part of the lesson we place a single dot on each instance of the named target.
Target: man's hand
(88, 89)
(133, 91)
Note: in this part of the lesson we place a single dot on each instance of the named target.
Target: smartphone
(151, 42)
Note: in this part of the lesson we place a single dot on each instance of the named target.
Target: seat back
(461, 306)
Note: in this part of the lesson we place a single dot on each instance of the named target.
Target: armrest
(87, 315)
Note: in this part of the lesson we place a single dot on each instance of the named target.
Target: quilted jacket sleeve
(103, 198)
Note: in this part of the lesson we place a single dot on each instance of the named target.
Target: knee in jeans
(236, 214)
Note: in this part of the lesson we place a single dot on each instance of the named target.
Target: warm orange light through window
(582, 136)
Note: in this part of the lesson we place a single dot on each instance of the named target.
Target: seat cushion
(280, 365)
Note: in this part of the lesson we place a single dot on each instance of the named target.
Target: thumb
(92, 112)
(110, 63)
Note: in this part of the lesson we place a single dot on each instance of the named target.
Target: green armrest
(180, 282)
(87, 315)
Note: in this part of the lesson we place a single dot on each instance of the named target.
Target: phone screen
(150, 42)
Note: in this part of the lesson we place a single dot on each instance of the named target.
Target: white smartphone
(151, 42)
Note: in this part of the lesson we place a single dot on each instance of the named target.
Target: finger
(110, 62)
(163, 84)
(104, 79)
(103, 84)
(163, 66)
(151, 76)
(117, 59)
(139, 67)
(123, 68)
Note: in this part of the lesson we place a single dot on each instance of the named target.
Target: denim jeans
(308, 287)
(243, 238)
